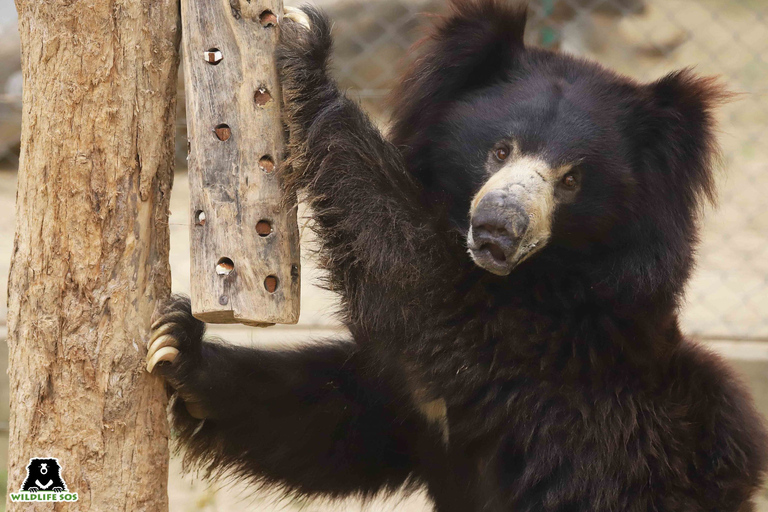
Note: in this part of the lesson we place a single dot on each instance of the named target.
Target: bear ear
(473, 46)
(477, 43)
(680, 124)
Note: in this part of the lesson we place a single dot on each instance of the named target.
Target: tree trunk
(91, 250)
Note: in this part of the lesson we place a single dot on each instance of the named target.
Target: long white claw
(163, 354)
(161, 331)
(297, 15)
(161, 342)
(170, 318)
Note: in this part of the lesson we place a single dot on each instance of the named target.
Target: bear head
(543, 159)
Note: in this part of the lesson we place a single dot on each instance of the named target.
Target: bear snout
(498, 226)
(511, 215)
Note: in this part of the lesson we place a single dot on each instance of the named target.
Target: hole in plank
(213, 56)
(223, 132)
(266, 164)
(262, 96)
(199, 218)
(264, 228)
(268, 19)
(270, 283)
(224, 267)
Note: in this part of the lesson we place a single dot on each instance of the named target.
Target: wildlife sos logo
(44, 482)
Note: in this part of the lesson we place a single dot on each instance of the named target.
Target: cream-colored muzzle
(511, 215)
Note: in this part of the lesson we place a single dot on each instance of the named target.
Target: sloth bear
(43, 475)
(510, 264)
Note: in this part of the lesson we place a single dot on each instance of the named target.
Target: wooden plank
(244, 245)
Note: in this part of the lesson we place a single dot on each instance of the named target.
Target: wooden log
(245, 244)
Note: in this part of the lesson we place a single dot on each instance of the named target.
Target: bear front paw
(298, 16)
(33, 489)
(174, 349)
(173, 330)
(305, 43)
(58, 489)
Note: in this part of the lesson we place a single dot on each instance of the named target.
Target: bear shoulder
(726, 427)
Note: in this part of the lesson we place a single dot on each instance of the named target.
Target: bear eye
(569, 180)
(501, 153)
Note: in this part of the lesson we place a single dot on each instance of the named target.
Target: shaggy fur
(567, 385)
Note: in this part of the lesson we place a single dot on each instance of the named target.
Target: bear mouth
(491, 257)
(495, 252)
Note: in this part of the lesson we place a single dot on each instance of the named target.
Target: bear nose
(498, 224)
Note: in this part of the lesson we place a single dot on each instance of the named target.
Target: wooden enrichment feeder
(244, 234)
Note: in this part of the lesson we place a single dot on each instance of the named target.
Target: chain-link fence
(728, 296)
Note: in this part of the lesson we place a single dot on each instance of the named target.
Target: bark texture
(91, 249)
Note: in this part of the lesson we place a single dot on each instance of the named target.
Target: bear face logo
(44, 475)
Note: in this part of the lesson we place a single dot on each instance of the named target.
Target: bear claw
(162, 345)
(170, 318)
(297, 15)
(162, 330)
(165, 340)
(164, 354)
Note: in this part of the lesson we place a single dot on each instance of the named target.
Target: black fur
(568, 384)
